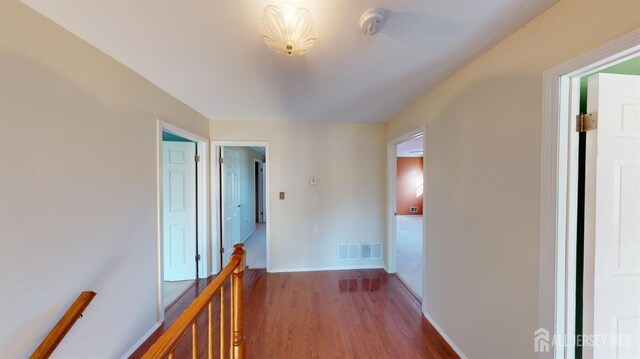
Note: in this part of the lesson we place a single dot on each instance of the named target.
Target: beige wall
(483, 164)
(78, 189)
(347, 206)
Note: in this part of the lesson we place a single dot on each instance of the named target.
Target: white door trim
(390, 264)
(255, 160)
(202, 178)
(216, 225)
(558, 184)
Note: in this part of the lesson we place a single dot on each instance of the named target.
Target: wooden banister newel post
(164, 346)
(238, 303)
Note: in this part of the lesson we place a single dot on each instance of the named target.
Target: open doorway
(242, 175)
(406, 188)
(409, 213)
(590, 232)
(183, 205)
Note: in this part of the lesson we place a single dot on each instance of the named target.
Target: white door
(230, 202)
(179, 210)
(612, 218)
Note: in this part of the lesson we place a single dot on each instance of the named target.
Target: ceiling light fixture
(287, 29)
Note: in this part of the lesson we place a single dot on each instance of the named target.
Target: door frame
(225, 250)
(558, 186)
(216, 200)
(392, 169)
(263, 189)
(202, 215)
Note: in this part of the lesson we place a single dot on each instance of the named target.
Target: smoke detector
(371, 21)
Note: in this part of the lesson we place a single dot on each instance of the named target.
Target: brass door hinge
(586, 122)
(221, 160)
(197, 158)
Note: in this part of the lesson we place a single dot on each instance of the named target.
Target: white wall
(482, 198)
(347, 206)
(247, 189)
(78, 189)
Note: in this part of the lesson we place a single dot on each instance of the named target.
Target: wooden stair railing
(165, 345)
(63, 326)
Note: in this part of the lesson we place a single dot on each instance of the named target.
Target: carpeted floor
(256, 247)
(172, 290)
(409, 252)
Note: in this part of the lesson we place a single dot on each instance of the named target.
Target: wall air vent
(348, 251)
(355, 251)
(370, 251)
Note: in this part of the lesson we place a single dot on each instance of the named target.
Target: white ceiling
(210, 55)
(411, 148)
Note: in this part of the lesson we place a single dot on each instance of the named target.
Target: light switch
(313, 181)
(281, 195)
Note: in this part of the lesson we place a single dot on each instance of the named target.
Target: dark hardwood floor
(329, 314)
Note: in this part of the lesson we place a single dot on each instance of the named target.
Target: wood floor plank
(330, 314)
(337, 314)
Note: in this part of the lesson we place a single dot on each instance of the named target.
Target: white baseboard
(319, 269)
(137, 345)
(445, 336)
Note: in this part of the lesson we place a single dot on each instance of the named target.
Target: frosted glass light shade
(287, 29)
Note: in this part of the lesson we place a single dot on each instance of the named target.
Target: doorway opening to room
(608, 203)
(406, 189)
(592, 206)
(183, 204)
(242, 189)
